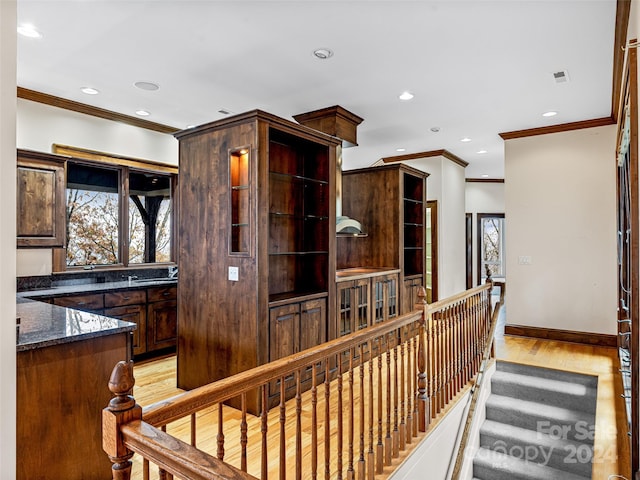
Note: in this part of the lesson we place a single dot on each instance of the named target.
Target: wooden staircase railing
(343, 409)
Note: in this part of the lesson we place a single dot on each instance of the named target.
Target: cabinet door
(135, 314)
(284, 322)
(313, 323)
(410, 294)
(384, 292)
(162, 324)
(284, 339)
(40, 202)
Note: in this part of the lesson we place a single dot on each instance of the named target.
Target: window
(96, 232)
(490, 245)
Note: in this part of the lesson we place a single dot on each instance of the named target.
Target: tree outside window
(97, 236)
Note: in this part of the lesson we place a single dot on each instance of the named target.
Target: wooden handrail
(186, 403)
(391, 380)
(477, 386)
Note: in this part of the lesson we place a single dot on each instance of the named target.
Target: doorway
(490, 243)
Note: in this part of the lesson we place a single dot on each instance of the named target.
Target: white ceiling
(476, 68)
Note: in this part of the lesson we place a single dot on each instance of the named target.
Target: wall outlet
(234, 274)
(524, 260)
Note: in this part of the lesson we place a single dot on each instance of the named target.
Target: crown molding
(563, 127)
(74, 106)
(432, 153)
(484, 180)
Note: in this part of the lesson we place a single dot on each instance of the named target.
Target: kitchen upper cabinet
(40, 200)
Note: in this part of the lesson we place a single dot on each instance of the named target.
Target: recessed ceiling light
(191, 126)
(322, 53)
(485, 176)
(89, 90)
(481, 152)
(401, 149)
(406, 96)
(549, 114)
(465, 139)
(142, 113)
(435, 129)
(225, 111)
(149, 86)
(28, 30)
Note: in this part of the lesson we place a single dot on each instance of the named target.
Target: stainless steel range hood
(340, 123)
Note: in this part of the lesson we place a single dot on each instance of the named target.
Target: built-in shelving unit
(272, 294)
(390, 202)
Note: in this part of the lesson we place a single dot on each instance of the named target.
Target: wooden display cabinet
(259, 246)
(390, 202)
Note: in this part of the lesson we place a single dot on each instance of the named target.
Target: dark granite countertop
(95, 287)
(44, 325)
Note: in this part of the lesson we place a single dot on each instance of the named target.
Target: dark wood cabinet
(61, 390)
(259, 245)
(87, 303)
(135, 314)
(41, 220)
(354, 310)
(384, 292)
(162, 324)
(410, 292)
(153, 310)
(294, 327)
(390, 202)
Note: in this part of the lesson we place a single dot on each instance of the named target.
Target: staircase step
(549, 373)
(559, 421)
(543, 390)
(492, 465)
(537, 447)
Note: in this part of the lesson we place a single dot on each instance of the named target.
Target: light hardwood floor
(155, 380)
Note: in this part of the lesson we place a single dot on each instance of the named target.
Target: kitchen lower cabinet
(154, 311)
(135, 314)
(162, 318)
(61, 390)
(93, 303)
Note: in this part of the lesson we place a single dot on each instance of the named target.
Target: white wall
(39, 126)
(8, 237)
(560, 198)
(482, 197)
(446, 185)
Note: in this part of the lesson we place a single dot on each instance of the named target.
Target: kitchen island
(64, 361)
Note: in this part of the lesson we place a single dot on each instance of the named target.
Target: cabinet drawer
(81, 302)
(161, 293)
(129, 297)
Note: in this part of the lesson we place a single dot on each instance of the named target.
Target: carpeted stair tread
(550, 373)
(544, 446)
(527, 414)
(544, 390)
(491, 465)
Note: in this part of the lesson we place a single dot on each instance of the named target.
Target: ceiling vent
(561, 77)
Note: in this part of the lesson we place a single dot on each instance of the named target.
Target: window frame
(480, 217)
(124, 166)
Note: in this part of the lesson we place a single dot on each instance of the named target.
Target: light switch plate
(234, 274)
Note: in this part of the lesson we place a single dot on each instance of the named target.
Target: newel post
(424, 409)
(122, 409)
